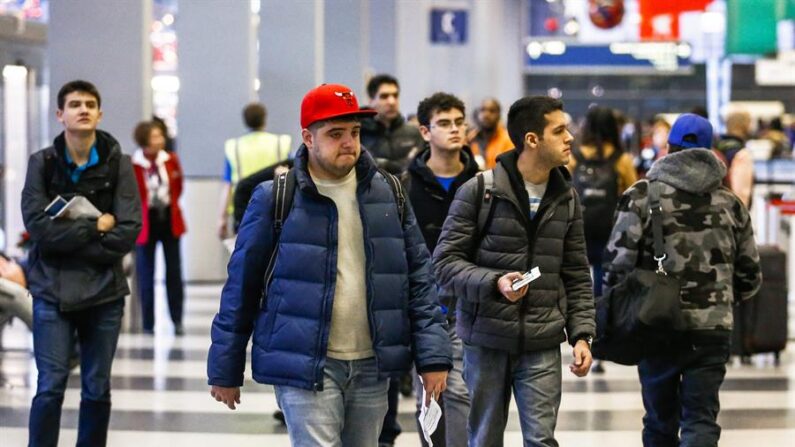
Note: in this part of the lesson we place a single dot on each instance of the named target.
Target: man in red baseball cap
(338, 299)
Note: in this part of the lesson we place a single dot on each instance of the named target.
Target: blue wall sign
(449, 26)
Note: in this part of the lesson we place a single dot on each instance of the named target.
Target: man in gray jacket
(75, 272)
(710, 247)
(512, 338)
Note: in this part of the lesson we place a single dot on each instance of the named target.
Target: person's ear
(307, 138)
(426, 133)
(531, 140)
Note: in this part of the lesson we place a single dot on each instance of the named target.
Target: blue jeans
(96, 330)
(535, 379)
(680, 392)
(160, 231)
(348, 412)
(455, 401)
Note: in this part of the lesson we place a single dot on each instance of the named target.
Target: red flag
(660, 20)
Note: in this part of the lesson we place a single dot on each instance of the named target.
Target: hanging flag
(751, 26)
(659, 20)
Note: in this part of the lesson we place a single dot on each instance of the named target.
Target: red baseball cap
(330, 101)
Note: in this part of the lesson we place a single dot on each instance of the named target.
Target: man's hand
(229, 396)
(582, 359)
(222, 233)
(11, 271)
(504, 286)
(105, 223)
(434, 383)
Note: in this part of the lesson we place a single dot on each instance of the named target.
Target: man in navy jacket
(351, 300)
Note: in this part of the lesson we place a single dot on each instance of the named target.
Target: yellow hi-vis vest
(253, 152)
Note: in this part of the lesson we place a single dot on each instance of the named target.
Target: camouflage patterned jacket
(708, 238)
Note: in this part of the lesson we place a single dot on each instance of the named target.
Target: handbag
(642, 309)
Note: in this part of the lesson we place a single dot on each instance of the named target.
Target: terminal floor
(160, 396)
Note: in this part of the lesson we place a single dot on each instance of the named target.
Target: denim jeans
(391, 429)
(535, 379)
(160, 231)
(54, 332)
(680, 392)
(595, 252)
(454, 402)
(348, 412)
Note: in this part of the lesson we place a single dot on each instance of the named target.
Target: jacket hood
(559, 178)
(419, 165)
(365, 169)
(107, 146)
(694, 170)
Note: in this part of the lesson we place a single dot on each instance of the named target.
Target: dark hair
(438, 102)
(527, 115)
(254, 115)
(494, 101)
(78, 86)
(143, 131)
(378, 80)
(690, 138)
(600, 128)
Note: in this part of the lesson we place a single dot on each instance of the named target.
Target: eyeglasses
(448, 125)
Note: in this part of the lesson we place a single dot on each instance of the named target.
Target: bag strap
(655, 212)
(283, 192)
(484, 208)
(237, 161)
(397, 191)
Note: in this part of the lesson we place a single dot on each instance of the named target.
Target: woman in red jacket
(159, 177)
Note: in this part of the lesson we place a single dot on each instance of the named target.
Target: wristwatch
(588, 339)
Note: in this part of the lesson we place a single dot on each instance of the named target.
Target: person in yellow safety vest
(246, 155)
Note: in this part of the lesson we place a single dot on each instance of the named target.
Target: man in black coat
(432, 180)
(388, 137)
(75, 270)
(512, 337)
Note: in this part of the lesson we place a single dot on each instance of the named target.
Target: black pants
(160, 231)
(680, 392)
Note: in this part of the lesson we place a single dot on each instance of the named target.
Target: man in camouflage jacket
(710, 247)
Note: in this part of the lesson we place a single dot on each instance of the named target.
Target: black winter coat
(558, 304)
(71, 263)
(429, 200)
(392, 147)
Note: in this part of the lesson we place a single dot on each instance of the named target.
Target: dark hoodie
(428, 199)
(71, 263)
(709, 240)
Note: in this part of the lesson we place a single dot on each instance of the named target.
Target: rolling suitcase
(760, 323)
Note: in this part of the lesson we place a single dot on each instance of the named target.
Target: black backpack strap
(485, 210)
(397, 191)
(655, 212)
(283, 192)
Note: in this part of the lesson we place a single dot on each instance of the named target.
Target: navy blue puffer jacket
(290, 325)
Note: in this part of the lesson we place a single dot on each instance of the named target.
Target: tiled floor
(160, 397)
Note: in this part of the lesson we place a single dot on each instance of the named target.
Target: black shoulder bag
(644, 309)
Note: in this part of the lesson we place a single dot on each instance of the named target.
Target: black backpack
(596, 182)
(283, 193)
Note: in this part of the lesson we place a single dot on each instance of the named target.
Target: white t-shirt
(349, 336)
(535, 193)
